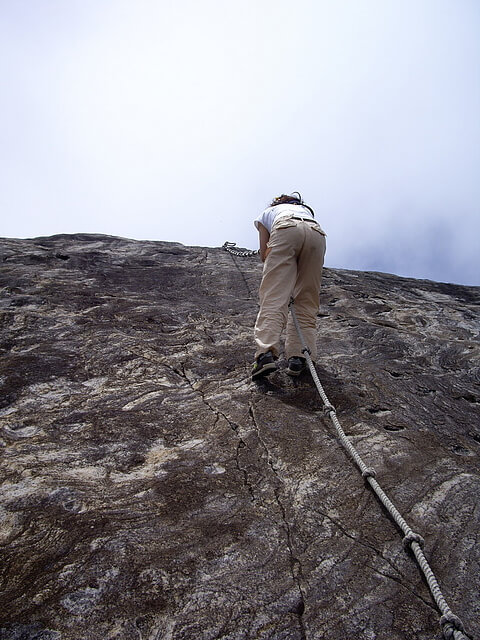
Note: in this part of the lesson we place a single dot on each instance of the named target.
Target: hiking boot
(263, 365)
(296, 365)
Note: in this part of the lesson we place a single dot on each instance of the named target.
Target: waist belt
(302, 218)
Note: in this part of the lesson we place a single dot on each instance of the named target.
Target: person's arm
(264, 237)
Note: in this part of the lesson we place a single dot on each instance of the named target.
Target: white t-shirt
(268, 216)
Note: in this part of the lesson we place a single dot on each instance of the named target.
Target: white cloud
(179, 121)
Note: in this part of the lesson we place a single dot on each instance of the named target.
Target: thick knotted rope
(452, 626)
(231, 248)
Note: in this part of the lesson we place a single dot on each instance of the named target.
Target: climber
(292, 247)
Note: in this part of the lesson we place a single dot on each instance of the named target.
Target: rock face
(151, 491)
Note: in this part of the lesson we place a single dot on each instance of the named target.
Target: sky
(181, 120)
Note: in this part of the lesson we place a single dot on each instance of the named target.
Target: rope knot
(451, 623)
(307, 350)
(328, 409)
(369, 472)
(413, 537)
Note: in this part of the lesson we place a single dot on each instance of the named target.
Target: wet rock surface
(150, 490)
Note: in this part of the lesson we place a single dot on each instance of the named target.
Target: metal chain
(452, 626)
(230, 247)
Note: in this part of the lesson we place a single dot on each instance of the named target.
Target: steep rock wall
(150, 490)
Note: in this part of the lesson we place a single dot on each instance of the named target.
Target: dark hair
(293, 198)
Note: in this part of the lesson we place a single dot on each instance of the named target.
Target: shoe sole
(265, 370)
(292, 373)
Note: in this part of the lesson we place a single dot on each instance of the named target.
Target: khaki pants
(292, 268)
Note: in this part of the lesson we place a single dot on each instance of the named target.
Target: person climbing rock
(292, 247)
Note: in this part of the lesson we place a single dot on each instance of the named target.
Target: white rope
(231, 248)
(452, 626)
